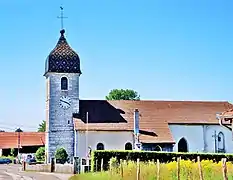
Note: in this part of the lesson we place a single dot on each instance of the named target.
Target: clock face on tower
(65, 102)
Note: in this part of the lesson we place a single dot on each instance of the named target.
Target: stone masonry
(60, 127)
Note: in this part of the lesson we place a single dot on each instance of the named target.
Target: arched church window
(100, 146)
(221, 142)
(183, 145)
(64, 83)
(128, 146)
(158, 148)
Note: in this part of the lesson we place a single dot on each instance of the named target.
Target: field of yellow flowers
(189, 170)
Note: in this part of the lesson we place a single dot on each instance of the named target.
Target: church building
(80, 125)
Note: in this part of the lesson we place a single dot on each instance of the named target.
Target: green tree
(61, 155)
(123, 94)
(40, 154)
(42, 126)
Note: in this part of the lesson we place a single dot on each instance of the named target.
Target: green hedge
(97, 155)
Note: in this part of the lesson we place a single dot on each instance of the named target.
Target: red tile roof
(227, 114)
(10, 139)
(155, 116)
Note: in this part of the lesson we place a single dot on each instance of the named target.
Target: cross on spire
(61, 17)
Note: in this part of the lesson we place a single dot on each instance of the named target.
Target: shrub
(61, 155)
(40, 154)
(145, 156)
(113, 163)
(13, 152)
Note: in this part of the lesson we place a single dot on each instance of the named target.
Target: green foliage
(123, 94)
(145, 156)
(40, 154)
(113, 163)
(127, 170)
(61, 155)
(42, 126)
(95, 176)
(13, 152)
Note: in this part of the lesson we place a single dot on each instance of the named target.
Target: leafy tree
(123, 94)
(61, 155)
(40, 154)
(42, 126)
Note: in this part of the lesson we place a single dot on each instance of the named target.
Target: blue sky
(170, 50)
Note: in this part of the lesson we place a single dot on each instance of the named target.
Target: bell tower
(62, 71)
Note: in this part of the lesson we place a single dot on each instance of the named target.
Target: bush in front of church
(40, 154)
(61, 155)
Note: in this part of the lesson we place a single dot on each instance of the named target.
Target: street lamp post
(18, 130)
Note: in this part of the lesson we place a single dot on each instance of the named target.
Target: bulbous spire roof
(63, 59)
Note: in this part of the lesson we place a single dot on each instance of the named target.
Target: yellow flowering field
(148, 171)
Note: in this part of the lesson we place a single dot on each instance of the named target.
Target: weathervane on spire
(61, 17)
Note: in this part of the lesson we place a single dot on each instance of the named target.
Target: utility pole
(18, 130)
(87, 119)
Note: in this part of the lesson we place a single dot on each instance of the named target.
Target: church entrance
(182, 145)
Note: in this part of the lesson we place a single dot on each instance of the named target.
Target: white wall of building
(200, 138)
(112, 140)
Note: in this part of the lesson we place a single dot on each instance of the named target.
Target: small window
(158, 148)
(64, 83)
(221, 142)
(68, 121)
(100, 146)
(128, 146)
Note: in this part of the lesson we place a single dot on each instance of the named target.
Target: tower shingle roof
(63, 59)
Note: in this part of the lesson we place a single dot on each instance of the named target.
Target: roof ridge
(194, 101)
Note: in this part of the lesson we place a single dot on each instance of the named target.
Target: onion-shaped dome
(63, 59)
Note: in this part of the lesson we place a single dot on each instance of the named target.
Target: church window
(68, 121)
(128, 146)
(64, 83)
(221, 142)
(158, 148)
(100, 146)
(182, 145)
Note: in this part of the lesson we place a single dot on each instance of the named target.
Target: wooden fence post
(224, 169)
(53, 164)
(138, 169)
(158, 169)
(102, 164)
(121, 168)
(24, 166)
(200, 168)
(96, 165)
(178, 168)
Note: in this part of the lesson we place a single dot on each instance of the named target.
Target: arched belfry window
(64, 83)
(128, 146)
(221, 142)
(100, 146)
